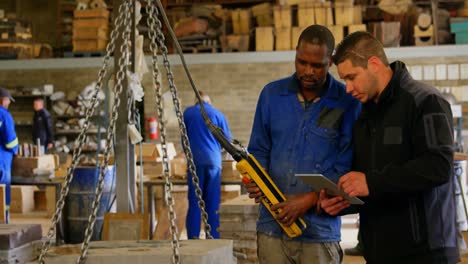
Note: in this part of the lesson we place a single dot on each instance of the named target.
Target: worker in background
(403, 159)
(8, 146)
(303, 124)
(207, 158)
(42, 125)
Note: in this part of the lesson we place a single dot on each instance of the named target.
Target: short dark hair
(319, 35)
(358, 47)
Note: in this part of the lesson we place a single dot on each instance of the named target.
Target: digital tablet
(318, 182)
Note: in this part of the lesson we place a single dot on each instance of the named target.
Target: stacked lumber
(90, 29)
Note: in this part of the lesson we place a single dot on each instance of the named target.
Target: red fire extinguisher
(152, 128)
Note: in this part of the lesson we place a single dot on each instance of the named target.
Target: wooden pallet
(81, 54)
(199, 49)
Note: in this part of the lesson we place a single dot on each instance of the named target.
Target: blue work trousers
(210, 185)
(5, 178)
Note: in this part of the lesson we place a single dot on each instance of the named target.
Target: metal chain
(81, 137)
(185, 142)
(120, 76)
(150, 9)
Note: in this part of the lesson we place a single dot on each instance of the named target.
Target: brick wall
(233, 88)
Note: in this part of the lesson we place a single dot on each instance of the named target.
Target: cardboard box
(153, 169)
(229, 192)
(25, 166)
(22, 199)
(179, 167)
(229, 170)
(153, 152)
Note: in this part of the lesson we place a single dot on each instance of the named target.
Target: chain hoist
(118, 88)
(156, 27)
(79, 142)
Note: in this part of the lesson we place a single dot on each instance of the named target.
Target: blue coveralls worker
(207, 158)
(8, 146)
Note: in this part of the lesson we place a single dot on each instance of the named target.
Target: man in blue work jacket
(303, 124)
(207, 158)
(8, 145)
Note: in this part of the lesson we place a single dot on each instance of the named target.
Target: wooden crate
(25, 166)
(237, 42)
(344, 14)
(295, 34)
(90, 33)
(89, 44)
(357, 14)
(306, 14)
(91, 22)
(241, 21)
(283, 39)
(263, 14)
(282, 16)
(323, 14)
(354, 28)
(22, 199)
(338, 33)
(91, 13)
(264, 39)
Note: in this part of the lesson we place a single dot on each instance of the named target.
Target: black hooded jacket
(42, 127)
(404, 146)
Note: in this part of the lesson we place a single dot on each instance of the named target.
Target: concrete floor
(348, 232)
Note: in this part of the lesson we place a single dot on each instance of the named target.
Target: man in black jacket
(403, 158)
(42, 125)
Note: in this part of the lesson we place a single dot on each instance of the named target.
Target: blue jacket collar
(330, 91)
